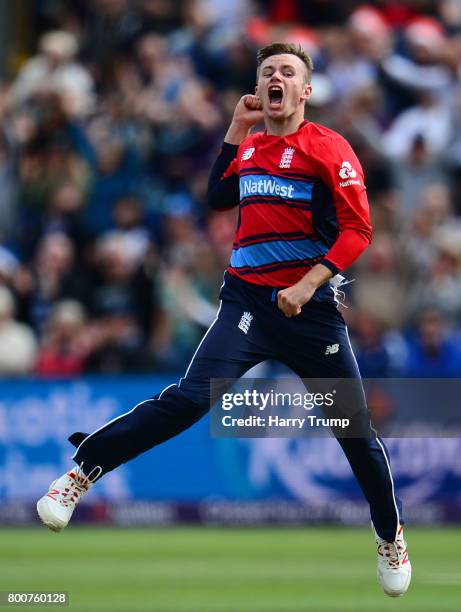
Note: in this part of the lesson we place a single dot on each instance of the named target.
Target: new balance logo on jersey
(248, 153)
(348, 172)
(245, 322)
(287, 158)
(332, 349)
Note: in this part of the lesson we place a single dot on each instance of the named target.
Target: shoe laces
(79, 483)
(394, 553)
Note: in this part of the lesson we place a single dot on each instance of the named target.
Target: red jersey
(302, 201)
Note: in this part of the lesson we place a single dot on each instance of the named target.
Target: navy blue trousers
(228, 351)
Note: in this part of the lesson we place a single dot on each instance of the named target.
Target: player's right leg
(320, 350)
(227, 351)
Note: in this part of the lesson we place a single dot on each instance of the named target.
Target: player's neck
(283, 127)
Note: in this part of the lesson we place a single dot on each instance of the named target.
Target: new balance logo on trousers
(331, 349)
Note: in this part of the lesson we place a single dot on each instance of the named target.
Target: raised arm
(223, 185)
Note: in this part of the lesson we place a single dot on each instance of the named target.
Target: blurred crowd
(110, 260)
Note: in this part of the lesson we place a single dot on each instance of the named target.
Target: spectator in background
(17, 342)
(129, 225)
(115, 174)
(371, 35)
(122, 305)
(450, 15)
(110, 29)
(54, 276)
(63, 213)
(150, 52)
(9, 265)
(427, 123)
(441, 287)
(65, 343)
(418, 65)
(415, 174)
(54, 70)
(424, 39)
(316, 13)
(400, 14)
(8, 189)
(177, 104)
(160, 16)
(347, 70)
(239, 62)
(452, 156)
(188, 286)
(221, 230)
(433, 210)
(380, 353)
(48, 159)
(384, 280)
(433, 351)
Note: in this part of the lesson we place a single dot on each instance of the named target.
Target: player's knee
(196, 392)
(188, 397)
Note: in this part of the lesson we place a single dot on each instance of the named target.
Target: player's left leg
(233, 344)
(321, 350)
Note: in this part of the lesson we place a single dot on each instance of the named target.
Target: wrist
(237, 132)
(308, 284)
(316, 277)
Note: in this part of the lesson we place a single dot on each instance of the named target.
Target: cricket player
(303, 218)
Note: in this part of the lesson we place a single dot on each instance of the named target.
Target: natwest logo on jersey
(267, 185)
(348, 174)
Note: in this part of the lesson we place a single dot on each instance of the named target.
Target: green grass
(226, 570)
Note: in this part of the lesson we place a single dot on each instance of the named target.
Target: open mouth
(275, 96)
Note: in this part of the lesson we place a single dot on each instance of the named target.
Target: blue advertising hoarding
(197, 477)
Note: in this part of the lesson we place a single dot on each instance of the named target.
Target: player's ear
(307, 91)
(256, 90)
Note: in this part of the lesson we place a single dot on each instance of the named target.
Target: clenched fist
(291, 300)
(248, 111)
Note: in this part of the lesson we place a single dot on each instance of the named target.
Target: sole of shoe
(47, 519)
